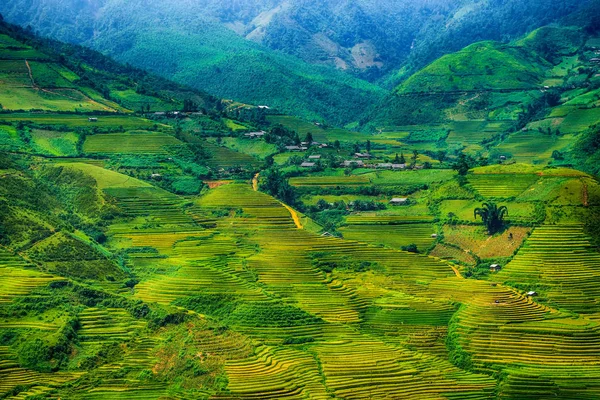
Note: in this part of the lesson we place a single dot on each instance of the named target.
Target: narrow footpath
(293, 212)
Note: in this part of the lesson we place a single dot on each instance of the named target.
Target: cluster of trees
(275, 183)
(465, 162)
(586, 151)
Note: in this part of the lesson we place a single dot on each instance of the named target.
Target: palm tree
(492, 216)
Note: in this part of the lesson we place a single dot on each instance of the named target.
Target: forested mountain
(178, 40)
(44, 74)
(226, 48)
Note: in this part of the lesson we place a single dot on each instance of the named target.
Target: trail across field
(456, 272)
(293, 212)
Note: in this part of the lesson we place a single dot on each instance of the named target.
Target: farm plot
(474, 132)
(122, 122)
(55, 143)
(462, 210)
(132, 143)
(223, 157)
(319, 134)
(418, 177)
(533, 147)
(353, 180)
(394, 236)
(475, 240)
(580, 119)
(501, 185)
(105, 178)
(561, 264)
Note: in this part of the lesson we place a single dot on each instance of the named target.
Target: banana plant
(492, 216)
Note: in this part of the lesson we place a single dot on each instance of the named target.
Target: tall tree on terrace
(309, 138)
(492, 216)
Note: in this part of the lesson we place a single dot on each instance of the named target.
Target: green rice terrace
(164, 244)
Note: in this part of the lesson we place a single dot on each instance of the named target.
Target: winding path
(293, 212)
(456, 272)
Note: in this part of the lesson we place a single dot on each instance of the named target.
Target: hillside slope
(494, 81)
(194, 49)
(41, 74)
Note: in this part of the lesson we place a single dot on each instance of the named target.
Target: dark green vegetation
(264, 52)
(206, 250)
(492, 216)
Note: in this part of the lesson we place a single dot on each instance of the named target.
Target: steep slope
(41, 74)
(198, 50)
(493, 81)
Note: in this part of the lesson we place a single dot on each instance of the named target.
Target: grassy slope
(489, 90)
(46, 75)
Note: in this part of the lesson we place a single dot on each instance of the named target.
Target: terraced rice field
(534, 147)
(474, 132)
(394, 236)
(77, 121)
(308, 316)
(501, 185)
(131, 143)
(560, 261)
(579, 119)
(353, 180)
(18, 278)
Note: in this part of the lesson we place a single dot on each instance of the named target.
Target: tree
(402, 159)
(462, 165)
(309, 138)
(492, 216)
(274, 183)
(441, 155)
(368, 146)
(415, 157)
(336, 145)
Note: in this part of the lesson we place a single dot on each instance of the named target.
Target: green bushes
(218, 305)
(298, 340)
(49, 353)
(456, 354)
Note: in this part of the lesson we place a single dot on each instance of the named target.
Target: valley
(157, 242)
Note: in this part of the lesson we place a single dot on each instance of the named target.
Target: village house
(362, 155)
(398, 166)
(384, 165)
(307, 164)
(295, 148)
(495, 267)
(315, 157)
(92, 119)
(254, 135)
(399, 201)
(531, 294)
(353, 163)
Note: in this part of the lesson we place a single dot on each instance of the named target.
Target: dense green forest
(264, 52)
